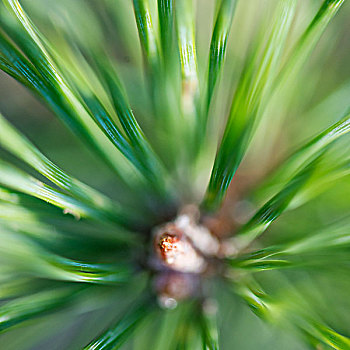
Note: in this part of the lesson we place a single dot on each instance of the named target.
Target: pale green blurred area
(72, 327)
(318, 97)
(239, 329)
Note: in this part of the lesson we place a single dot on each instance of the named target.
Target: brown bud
(176, 251)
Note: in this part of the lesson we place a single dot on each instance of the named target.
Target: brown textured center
(168, 243)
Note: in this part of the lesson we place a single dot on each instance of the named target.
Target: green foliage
(218, 44)
(34, 305)
(331, 238)
(146, 86)
(114, 338)
(254, 83)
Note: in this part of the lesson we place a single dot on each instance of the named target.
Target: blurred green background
(318, 97)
